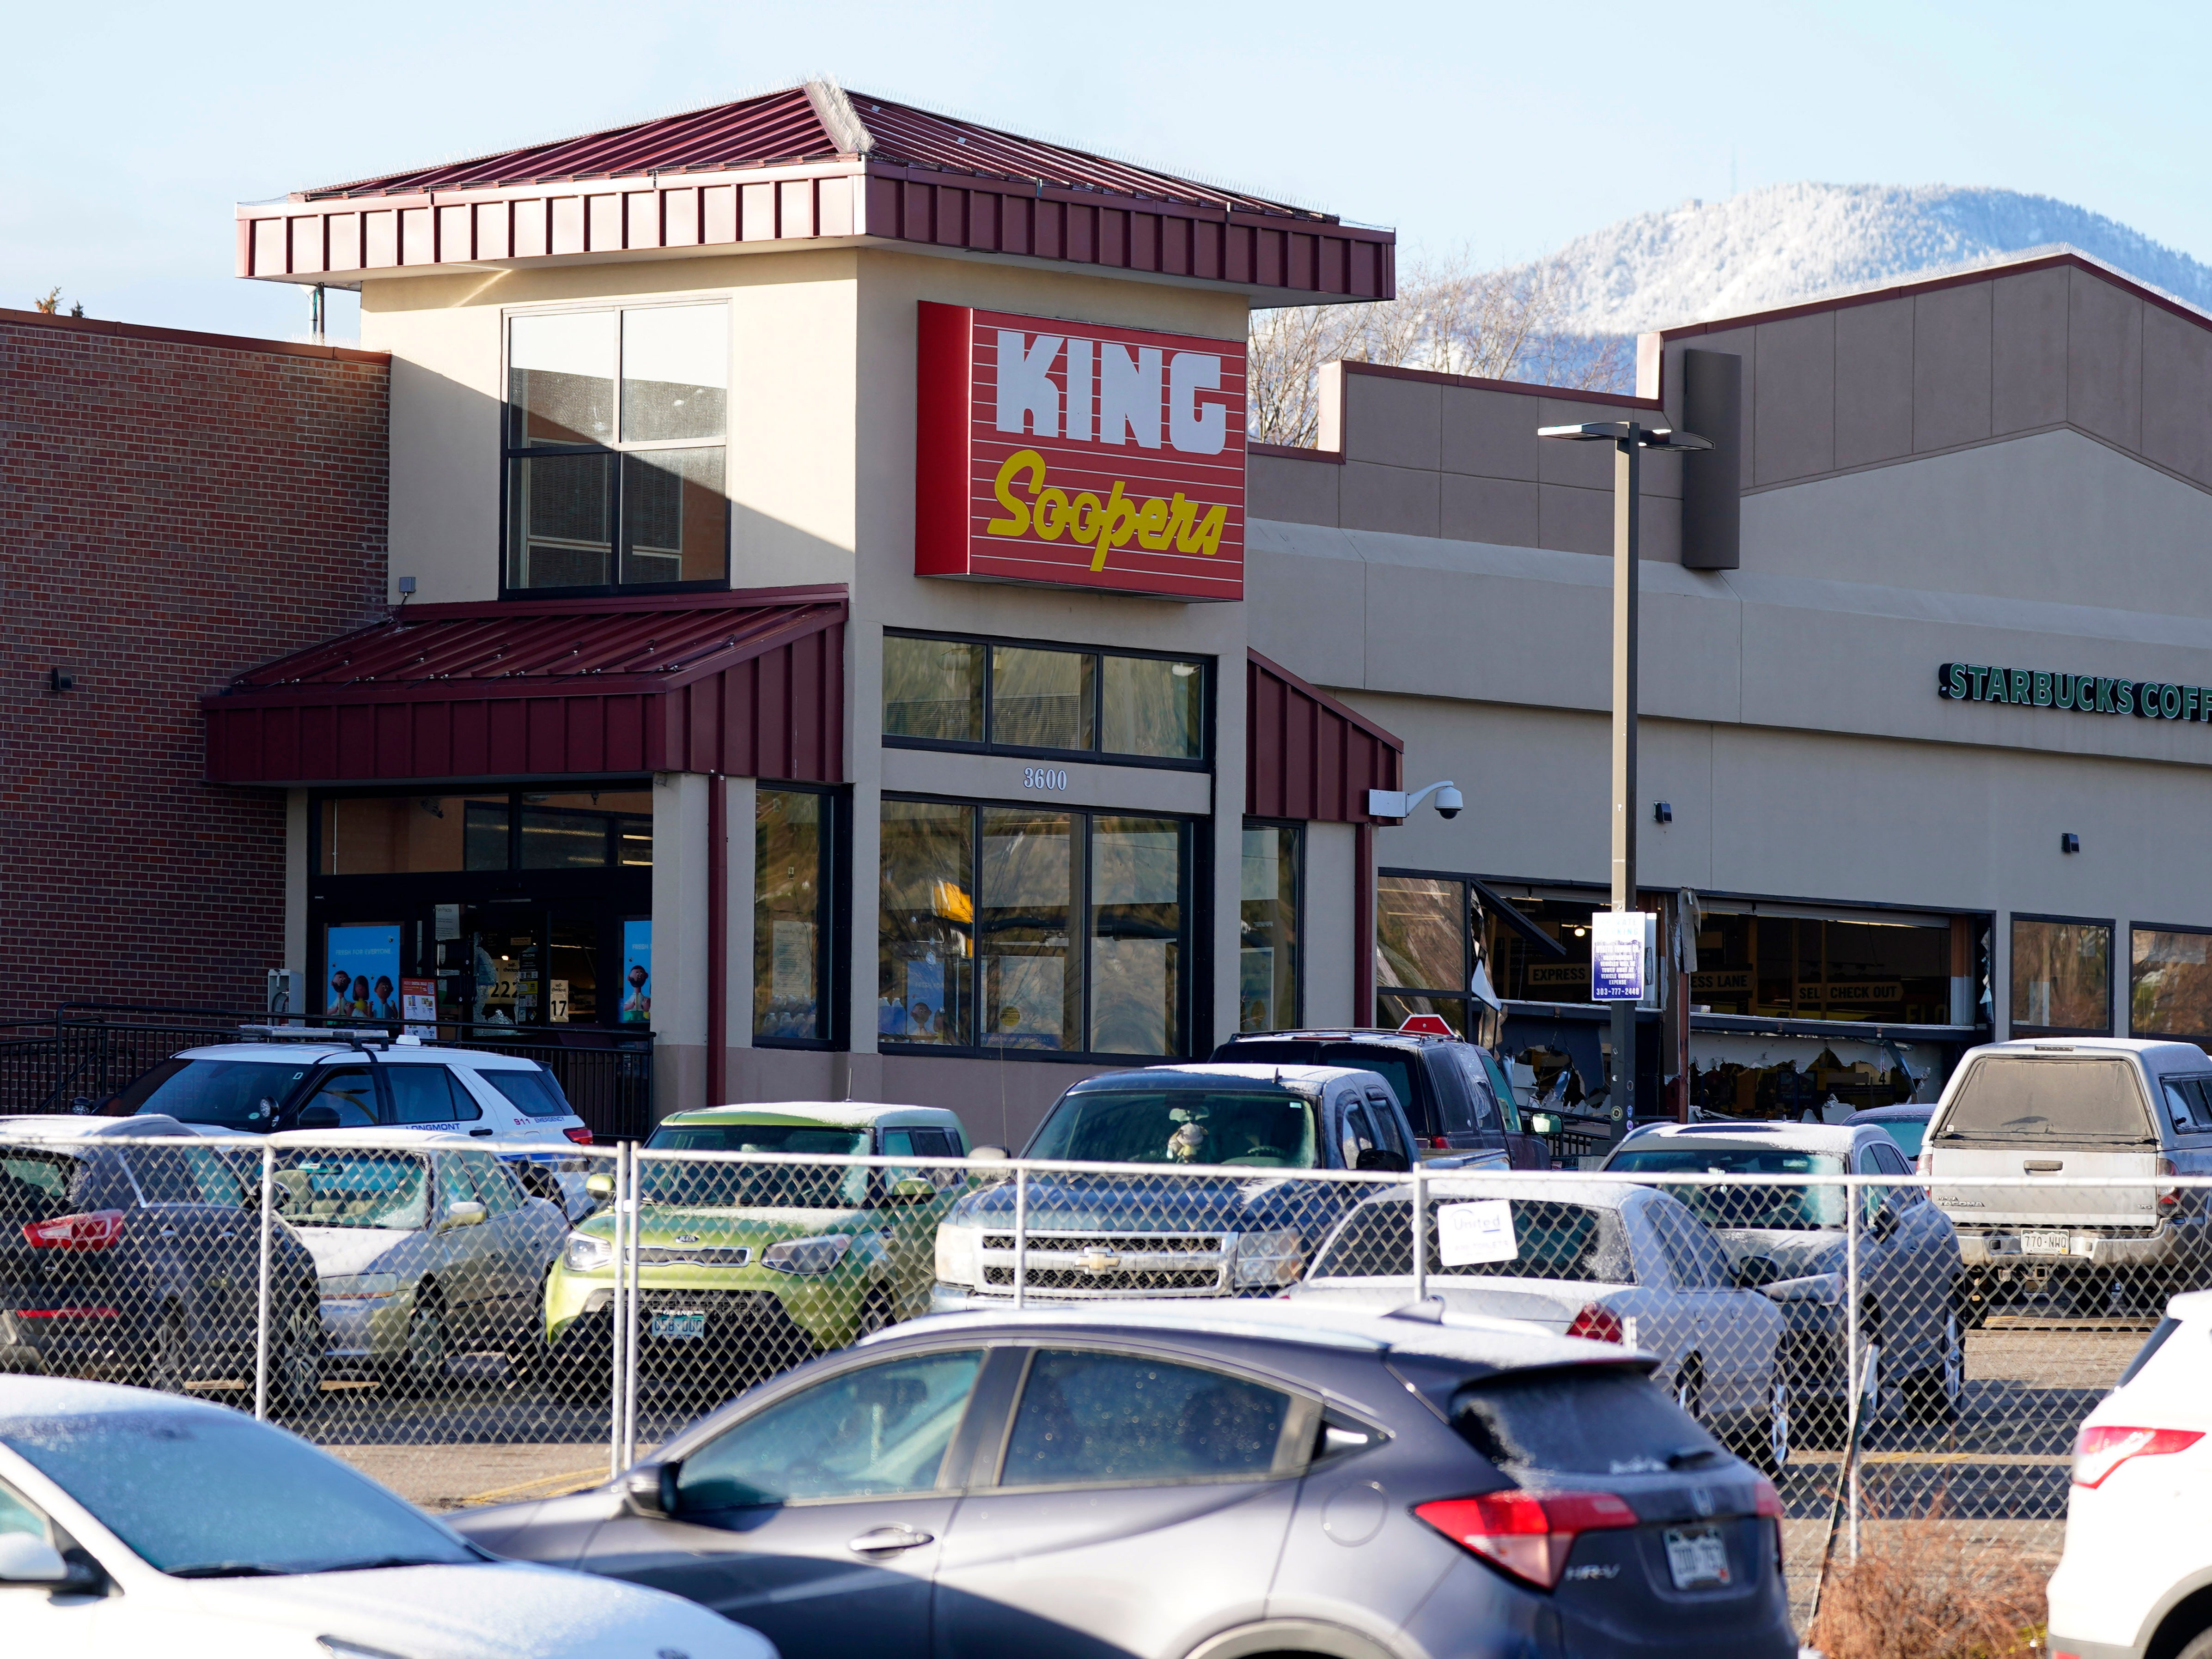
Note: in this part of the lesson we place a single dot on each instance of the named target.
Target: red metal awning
(749, 684)
(1307, 754)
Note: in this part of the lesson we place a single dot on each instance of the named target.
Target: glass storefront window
(592, 830)
(1136, 935)
(1268, 928)
(989, 695)
(1811, 968)
(2170, 982)
(1420, 932)
(1152, 708)
(933, 689)
(1042, 699)
(1031, 998)
(926, 923)
(399, 835)
(1075, 940)
(2062, 976)
(791, 897)
(575, 518)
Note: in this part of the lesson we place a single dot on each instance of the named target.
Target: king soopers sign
(1079, 455)
(2084, 694)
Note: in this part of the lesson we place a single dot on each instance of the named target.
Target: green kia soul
(747, 1269)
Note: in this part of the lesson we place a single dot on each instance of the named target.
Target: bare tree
(1495, 324)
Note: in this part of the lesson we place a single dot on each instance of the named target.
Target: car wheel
(876, 1314)
(579, 1370)
(295, 1363)
(1767, 1447)
(2200, 1647)
(168, 1364)
(1933, 1394)
(1690, 1388)
(421, 1369)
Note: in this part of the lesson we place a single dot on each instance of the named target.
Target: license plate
(681, 1325)
(2046, 1243)
(1696, 1556)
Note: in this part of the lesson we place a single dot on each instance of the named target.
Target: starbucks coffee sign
(2082, 694)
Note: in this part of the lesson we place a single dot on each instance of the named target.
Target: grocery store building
(833, 627)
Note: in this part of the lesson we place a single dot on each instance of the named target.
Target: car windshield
(2008, 1101)
(1265, 1128)
(535, 1093)
(229, 1092)
(343, 1188)
(711, 1186)
(1907, 1132)
(1787, 1208)
(1548, 1240)
(209, 1493)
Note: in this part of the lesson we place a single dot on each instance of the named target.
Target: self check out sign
(1078, 455)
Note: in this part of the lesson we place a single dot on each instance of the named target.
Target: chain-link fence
(473, 1322)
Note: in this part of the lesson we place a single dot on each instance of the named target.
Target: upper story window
(1032, 699)
(615, 447)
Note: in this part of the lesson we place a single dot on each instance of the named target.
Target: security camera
(1449, 802)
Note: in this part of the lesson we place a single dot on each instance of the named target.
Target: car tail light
(94, 1230)
(1527, 1535)
(1924, 1165)
(1598, 1324)
(2167, 1194)
(69, 1313)
(1766, 1504)
(581, 1136)
(2099, 1449)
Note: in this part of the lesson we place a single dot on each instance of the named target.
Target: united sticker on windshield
(1478, 1231)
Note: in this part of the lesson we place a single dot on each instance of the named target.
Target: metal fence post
(616, 1369)
(1021, 1235)
(1853, 1346)
(1420, 1232)
(261, 1290)
(637, 1295)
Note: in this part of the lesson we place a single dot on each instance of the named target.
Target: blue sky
(1504, 129)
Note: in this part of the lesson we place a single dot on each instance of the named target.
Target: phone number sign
(1078, 455)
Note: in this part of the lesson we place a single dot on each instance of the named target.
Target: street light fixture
(1628, 438)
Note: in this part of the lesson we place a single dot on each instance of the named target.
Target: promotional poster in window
(363, 967)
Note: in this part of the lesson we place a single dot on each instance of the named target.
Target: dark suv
(1451, 1096)
(127, 1260)
(1197, 1482)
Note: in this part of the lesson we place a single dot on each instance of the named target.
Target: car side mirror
(1756, 1273)
(464, 1212)
(986, 1155)
(319, 1116)
(650, 1489)
(27, 1560)
(601, 1187)
(1381, 1157)
(913, 1189)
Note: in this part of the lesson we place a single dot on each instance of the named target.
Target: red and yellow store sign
(1079, 455)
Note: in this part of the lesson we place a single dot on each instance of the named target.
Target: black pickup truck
(1447, 1092)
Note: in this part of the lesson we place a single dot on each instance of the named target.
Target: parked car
(425, 1247)
(1905, 1123)
(135, 1524)
(1792, 1239)
(1613, 1263)
(315, 1082)
(1247, 1232)
(125, 1259)
(1177, 1480)
(1456, 1097)
(745, 1269)
(2102, 1109)
(2133, 1577)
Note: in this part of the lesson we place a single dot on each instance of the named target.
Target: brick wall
(173, 508)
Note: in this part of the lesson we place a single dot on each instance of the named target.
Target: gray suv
(1187, 1482)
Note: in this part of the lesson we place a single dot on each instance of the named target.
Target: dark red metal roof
(1308, 755)
(750, 685)
(790, 126)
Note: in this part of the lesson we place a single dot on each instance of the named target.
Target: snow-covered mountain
(1790, 243)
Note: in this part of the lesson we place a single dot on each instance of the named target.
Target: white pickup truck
(2052, 1114)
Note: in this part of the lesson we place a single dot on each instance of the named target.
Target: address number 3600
(1044, 777)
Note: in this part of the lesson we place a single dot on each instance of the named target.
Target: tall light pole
(1628, 438)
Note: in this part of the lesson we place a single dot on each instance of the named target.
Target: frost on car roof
(1837, 1138)
(1203, 1074)
(1499, 1344)
(51, 1396)
(70, 1126)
